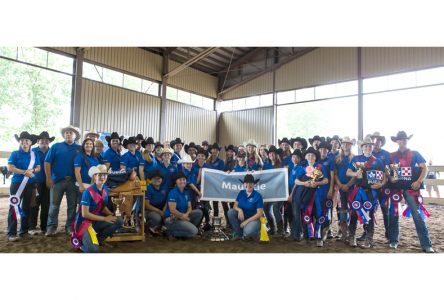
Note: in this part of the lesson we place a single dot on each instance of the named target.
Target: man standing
(177, 145)
(42, 198)
(112, 157)
(59, 169)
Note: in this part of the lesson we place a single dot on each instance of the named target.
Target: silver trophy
(218, 235)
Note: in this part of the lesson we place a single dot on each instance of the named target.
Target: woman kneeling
(94, 222)
(248, 208)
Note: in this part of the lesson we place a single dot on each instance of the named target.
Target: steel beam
(77, 88)
(162, 127)
(189, 62)
(360, 99)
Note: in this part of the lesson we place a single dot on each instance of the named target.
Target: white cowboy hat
(346, 139)
(71, 128)
(92, 132)
(99, 169)
(366, 141)
(185, 160)
(166, 150)
(378, 135)
(251, 142)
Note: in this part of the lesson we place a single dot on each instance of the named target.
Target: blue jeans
(181, 228)
(274, 215)
(103, 230)
(25, 205)
(251, 230)
(56, 195)
(343, 212)
(420, 225)
(296, 224)
(153, 219)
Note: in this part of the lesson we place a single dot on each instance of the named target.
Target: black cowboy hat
(176, 141)
(178, 175)
(298, 153)
(205, 143)
(155, 173)
(140, 137)
(130, 140)
(148, 141)
(401, 135)
(316, 138)
(214, 146)
(249, 179)
(241, 154)
(313, 151)
(202, 151)
(334, 138)
(191, 145)
(26, 135)
(158, 144)
(300, 140)
(273, 149)
(325, 144)
(113, 136)
(44, 135)
(284, 140)
(231, 147)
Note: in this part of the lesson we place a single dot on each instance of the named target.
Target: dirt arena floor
(61, 244)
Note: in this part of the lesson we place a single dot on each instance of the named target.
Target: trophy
(359, 167)
(314, 173)
(117, 202)
(394, 168)
(218, 235)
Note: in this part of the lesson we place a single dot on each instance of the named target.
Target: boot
(362, 237)
(352, 241)
(368, 243)
(344, 231)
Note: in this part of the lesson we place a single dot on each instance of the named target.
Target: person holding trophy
(94, 222)
(369, 175)
(407, 171)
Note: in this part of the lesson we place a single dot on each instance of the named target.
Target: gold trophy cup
(117, 202)
(394, 168)
(359, 167)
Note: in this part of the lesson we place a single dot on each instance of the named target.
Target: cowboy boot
(352, 241)
(344, 231)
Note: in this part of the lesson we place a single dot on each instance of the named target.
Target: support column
(360, 99)
(77, 88)
(274, 134)
(162, 127)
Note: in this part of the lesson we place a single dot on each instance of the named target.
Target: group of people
(322, 177)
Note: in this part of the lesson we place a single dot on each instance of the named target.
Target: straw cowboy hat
(71, 128)
(99, 169)
(26, 135)
(401, 135)
(377, 135)
(366, 141)
(92, 132)
(44, 135)
(251, 142)
(166, 151)
(185, 160)
(346, 139)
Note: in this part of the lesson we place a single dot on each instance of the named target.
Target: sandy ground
(61, 244)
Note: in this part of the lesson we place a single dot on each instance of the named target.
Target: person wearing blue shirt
(344, 183)
(167, 169)
(20, 164)
(296, 158)
(42, 198)
(148, 156)
(369, 175)
(98, 151)
(241, 163)
(112, 157)
(308, 198)
(59, 170)
(82, 163)
(411, 173)
(198, 165)
(187, 168)
(94, 222)
(177, 146)
(133, 159)
(254, 161)
(284, 144)
(155, 199)
(245, 216)
(215, 163)
(335, 143)
(181, 220)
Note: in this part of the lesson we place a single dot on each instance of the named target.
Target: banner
(221, 186)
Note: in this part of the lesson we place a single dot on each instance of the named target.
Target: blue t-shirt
(301, 171)
(293, 176)
(249, 204)
(408, 172)
(149, 167)
(341, 170)
(238, 168)
(40, 177)
(180, 198)
(167, 173)
(21, 159)
(195, 168)
(253, 165)
(175, 158)
(268, 166)
(82, 161)
(133, 161)
(157, 197)
(372, 174)
(329, 164)
(61, 157)
(333, 155)
(191, 176)
(113, 158)
(218, 164)
(286, 160)
(87, 200)
(383, 155)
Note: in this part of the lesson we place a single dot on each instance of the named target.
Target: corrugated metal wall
(321, 66)
(193, 81)
(108, 108)
(190, 123)
(260, 85)
(130, 59)
(386, 60)
(239, 126)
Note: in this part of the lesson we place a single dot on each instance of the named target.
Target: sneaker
(352, 241)
(393, 245)
(324, 234)
(33, 232)
(428, 250)
(13, 238)
(329, 234)
(51, 232)
(319, 243)
(361, 238)
(367, 244)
